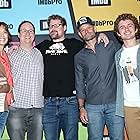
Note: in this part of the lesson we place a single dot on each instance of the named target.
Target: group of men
(78, 79)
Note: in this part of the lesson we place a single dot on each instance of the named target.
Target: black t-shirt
(59, 66)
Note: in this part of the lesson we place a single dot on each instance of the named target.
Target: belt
(60, 98)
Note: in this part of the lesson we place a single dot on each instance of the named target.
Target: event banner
(13, 12)
(103, 12)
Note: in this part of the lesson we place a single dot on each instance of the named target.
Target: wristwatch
(81, 106)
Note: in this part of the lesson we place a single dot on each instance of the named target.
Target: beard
(89, 37)
(54, 35)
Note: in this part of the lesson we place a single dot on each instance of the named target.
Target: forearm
(83, 112)
(4, 88)
(81, 103)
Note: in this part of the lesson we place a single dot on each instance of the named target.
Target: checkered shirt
(28, 75)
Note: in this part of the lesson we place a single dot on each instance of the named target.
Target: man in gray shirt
(96, 83)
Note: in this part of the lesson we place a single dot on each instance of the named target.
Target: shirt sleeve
(80, 84)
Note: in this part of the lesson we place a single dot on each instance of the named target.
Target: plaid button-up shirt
(27, 70)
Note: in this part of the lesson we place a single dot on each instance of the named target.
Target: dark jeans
(25, 120)
(61, 114)
(98, 116)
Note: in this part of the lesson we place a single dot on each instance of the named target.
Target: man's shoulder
(14, 53)
(74, 40)
(118, 53)
(37, 50)
(79, 54)
(43, 44)
(73, 44)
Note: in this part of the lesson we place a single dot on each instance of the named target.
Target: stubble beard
(88, 38)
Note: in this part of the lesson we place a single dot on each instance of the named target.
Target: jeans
(3, 118)
(101, 115)
(61, 113)
(22, 120)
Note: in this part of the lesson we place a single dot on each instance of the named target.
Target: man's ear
(65, 28)
(118, 34)
(136, 30)
(95, 29)
(18, 35)
(79, 34)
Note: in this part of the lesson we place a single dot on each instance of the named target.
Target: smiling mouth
(1, 39)
(128, 33)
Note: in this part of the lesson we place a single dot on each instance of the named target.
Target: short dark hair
(62, 19)
(25, 21)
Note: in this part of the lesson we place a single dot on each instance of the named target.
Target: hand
(12, 48)
(10, 98)
(83, 116)
(103, 38)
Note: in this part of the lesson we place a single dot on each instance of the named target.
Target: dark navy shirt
(96, 75)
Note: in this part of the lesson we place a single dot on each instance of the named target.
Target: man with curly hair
(127, 60)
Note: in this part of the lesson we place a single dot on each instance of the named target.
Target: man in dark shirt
(61, 107)
(96, 83)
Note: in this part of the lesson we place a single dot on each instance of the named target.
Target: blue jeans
(61, 114)
(3, 118)
(101, 115)
(22, 120)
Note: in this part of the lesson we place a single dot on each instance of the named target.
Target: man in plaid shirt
(25, 114)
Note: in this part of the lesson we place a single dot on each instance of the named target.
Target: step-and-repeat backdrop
(103, 12)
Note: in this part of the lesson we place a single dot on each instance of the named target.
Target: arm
(80, 90)
(83, 112)
(12, 48)
(4, 87)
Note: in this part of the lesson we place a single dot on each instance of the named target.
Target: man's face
(27, 34)
(126, 29)
(56, 29)
(87, 32)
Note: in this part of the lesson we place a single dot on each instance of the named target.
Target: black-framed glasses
(24, 31)
(55, 26)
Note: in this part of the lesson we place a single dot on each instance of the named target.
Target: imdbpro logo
(5, 4)
(43, 25)
(99, 2)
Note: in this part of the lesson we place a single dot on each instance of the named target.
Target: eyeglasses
(24, 31)
(55, 26)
